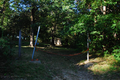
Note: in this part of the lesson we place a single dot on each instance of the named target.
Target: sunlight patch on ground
(16, 46)
(100, 69)
(26, 46)
(96, 60)
(30, 47)
(100, 65)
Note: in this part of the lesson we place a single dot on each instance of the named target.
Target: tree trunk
(31, 37)
(31, 29)
(104, 36)
(54, 32)
(52, 35)
(104, 10)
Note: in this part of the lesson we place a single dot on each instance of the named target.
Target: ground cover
(55, 67)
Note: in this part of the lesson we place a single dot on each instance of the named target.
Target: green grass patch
(23, 68)
(106, 67)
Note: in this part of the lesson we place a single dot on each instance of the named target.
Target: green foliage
(106, 53)
(5, 50)
(116, 53)
(57, 18)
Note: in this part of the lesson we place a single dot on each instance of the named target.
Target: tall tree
(4, 13)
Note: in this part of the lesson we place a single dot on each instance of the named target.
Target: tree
(4, 14)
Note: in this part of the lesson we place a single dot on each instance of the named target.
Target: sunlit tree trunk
(104, 36)
(104, 10)
(31, 29)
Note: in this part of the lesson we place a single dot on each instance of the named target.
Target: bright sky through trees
(14, 6)
(20, 6)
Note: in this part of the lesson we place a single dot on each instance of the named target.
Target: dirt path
(65, 68)
(71, 75)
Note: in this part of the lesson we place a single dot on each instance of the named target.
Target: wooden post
(87, 46)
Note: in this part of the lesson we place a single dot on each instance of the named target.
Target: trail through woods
(65, 68)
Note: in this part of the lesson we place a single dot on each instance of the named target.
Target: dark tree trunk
(53, 33)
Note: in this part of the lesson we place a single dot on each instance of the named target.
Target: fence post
(35, 42)
(88, 46)
(19, 53)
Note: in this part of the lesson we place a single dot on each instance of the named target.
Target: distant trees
(4, 15)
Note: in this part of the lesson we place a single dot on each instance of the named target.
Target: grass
(23, 68)
(107, 67)
(104, 66)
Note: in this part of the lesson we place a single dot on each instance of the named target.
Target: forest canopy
(69, 20)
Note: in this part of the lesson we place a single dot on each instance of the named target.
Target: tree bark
(104, 10)
(104, 36)
(31, 29)
(52, 34)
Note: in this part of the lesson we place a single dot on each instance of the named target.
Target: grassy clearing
(52, 65)
(22, 68)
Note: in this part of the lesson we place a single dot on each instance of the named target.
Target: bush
(116, 53)
(5, 50)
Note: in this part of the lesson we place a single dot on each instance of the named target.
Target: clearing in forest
(52, 67)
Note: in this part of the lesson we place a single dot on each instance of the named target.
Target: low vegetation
(106, 67)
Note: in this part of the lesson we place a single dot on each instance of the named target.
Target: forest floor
(51, 67)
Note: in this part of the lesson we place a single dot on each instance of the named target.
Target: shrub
(5, 50)
(116, 53)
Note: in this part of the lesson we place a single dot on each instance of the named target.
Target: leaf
(95, 32)
(113, 26)
(118, 25)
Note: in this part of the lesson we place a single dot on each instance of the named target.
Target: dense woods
(68, 20)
